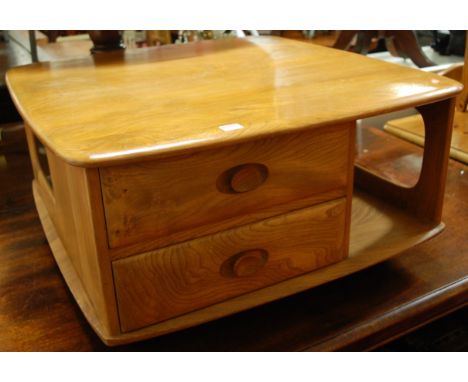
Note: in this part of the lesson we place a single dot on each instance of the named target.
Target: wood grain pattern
(159, 285)
(378, 232)
(79, 223)
(173, 99)
(68, 267)
(244, 264)
(175, 199)
(184, 135)
(37, 312)
(425, 199)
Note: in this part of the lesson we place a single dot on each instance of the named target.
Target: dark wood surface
(449, 333)
(11, 55)
(359, 312)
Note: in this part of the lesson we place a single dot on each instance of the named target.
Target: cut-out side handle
(425, 199)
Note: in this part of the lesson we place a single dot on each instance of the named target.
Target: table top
(361, 311)
(122, 106)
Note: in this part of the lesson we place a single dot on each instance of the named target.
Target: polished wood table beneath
(358, 312)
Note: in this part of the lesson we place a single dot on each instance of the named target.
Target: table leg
(344, 39)
(364, 40)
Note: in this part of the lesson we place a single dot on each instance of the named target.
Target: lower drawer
(162, 284)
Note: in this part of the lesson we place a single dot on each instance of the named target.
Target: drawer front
(176, 199)
(166, 283)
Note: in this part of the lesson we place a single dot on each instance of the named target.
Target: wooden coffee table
(186, 183)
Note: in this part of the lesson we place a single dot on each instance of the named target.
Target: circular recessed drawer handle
(244, 264)
(242, 178)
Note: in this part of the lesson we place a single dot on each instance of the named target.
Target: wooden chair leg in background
(344, 39)
(406, 44)
(399, 43)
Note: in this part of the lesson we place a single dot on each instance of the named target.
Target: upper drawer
(173, 199)
(158, 285)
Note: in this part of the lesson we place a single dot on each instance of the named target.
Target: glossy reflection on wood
(175, 199)
(219, 148)
(226, 91)
(38, 313)
(163, 284)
